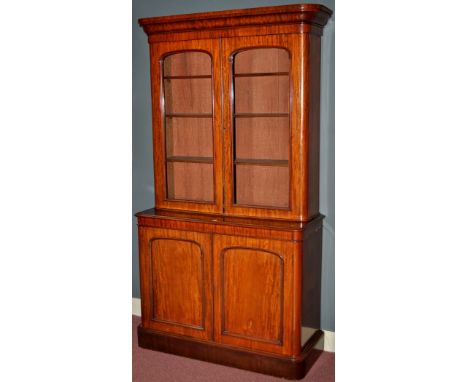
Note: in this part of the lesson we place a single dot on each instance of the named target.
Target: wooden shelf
(263, 162)
(189, 115)
(188, 159)
(260, 115)
(266, 74)
(186, 77)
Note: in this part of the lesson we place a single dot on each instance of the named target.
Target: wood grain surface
(297, 18)
(253, 293)
(176, 281)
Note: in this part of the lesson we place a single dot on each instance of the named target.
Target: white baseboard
(329, 343)
(136, 307)
(329, 337)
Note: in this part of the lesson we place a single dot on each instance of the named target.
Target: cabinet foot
(260, 362)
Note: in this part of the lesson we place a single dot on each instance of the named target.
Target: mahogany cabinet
(230, 255)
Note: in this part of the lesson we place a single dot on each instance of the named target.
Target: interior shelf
(189, 115)
(189, 159)
(187, 77)
(265, 74)
(263, 162)
(253, 115)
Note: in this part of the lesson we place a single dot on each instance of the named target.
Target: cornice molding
(315, 15)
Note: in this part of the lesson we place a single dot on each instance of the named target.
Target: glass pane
(262, 127)
(190, 181)
(189, 137)
(187, 95)
(262, 138)
(187, 64)
(262, 185)
(262, 94)
(188, 103)
(267, 60)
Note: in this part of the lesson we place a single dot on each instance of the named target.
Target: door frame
(158, 51)
(295, 44)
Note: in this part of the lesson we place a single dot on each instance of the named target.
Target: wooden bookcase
(230, 255)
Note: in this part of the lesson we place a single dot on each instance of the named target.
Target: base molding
(329, 339)
(276, 365)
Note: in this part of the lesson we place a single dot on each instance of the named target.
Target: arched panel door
(187, 126)
(253, 293)
(176, 281)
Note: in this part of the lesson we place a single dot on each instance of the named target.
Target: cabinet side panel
(144, 275)
(314, 125)
(311, 282)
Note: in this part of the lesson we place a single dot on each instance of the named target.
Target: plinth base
(260, 362)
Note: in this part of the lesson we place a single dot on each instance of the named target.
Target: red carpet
(154, 366)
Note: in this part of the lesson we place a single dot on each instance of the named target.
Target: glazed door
(254, 293)
(262, 120)
(186, 125)
(176, 282)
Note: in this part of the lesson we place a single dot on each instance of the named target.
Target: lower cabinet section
(253, 304)
(240, 300)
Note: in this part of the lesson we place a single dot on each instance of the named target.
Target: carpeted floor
(152, 366)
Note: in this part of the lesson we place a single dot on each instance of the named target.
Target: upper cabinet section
(235, 98)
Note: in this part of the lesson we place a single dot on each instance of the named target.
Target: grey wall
(143, 187)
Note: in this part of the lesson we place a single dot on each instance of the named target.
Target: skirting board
(136, 307)
(329, 342)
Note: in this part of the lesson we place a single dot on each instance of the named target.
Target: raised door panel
(265, 140)
(186, 94)
(258, 270)
(176, 284)
(253, 293)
